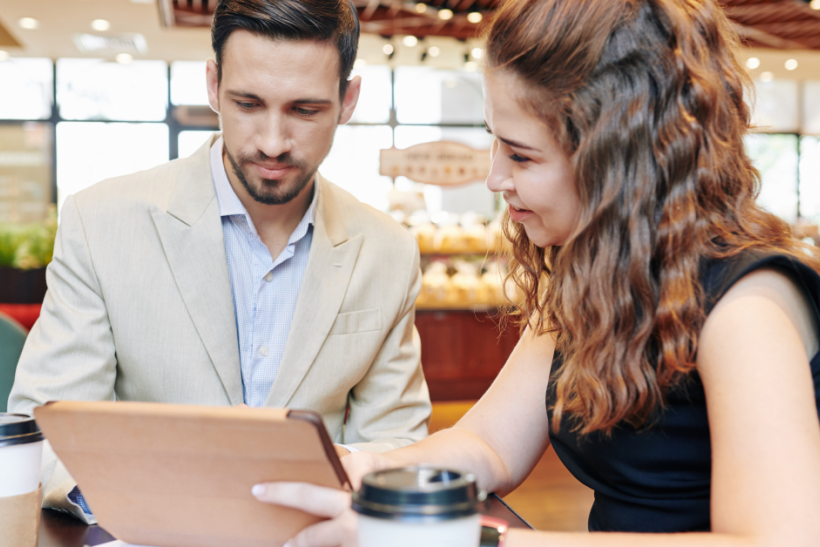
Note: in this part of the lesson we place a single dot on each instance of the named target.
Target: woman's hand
(340, 530)
(359, 464)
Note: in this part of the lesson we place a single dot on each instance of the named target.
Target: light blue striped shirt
(264, 289)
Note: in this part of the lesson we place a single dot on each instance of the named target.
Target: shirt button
(263, 350)
(269, 277)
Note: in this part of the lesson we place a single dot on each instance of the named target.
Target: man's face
(279, 107)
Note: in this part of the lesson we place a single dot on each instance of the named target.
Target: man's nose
(273, 137)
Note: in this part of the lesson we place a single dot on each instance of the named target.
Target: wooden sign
(442, 163)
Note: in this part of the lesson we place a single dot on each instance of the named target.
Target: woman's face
(529, 167)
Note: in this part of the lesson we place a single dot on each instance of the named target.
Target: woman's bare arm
(753, 359)
(504, 435)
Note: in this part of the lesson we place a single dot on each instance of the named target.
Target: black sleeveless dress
(659, 479)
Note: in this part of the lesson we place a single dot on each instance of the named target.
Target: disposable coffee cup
(21, 451)
(419, 506)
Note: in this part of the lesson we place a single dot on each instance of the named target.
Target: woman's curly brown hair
(646, 96)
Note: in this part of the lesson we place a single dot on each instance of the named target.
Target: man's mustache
(283, 159)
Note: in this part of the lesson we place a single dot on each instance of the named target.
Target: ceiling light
(421, 8)
(28, 23)
(752, 62)
(359, 63)
(815, 4)
(433, 51)
(111, 44)
(387, 49)
(766, 77)
(445, 14)
(410, 41)
(4, 55)
(474, 17)
(124, 58)
(476, 53)
(470, 66)
(100, 25)
(791, 64)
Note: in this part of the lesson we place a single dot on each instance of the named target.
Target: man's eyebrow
(254, 97)
(245, 95)
(507, 141)
(313, 101)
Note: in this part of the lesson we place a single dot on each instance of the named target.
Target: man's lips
(274, 171)
(518, 214)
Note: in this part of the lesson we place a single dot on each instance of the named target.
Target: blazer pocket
(357, 321)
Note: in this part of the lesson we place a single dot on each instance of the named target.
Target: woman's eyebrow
(514, 143)
(508, 142)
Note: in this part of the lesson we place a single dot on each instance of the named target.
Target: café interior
(95, 89)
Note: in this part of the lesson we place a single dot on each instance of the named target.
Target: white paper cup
(461, 532)
(419, 507)
(21, 452)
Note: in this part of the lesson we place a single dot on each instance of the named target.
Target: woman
(672, 324)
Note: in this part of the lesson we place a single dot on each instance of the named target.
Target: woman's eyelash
(519, 159)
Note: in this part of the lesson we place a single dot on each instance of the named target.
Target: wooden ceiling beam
(753, 14)
(368, 11)
(765, 38)
(795, 30)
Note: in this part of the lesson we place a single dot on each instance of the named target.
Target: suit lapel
(330, 265)
(192, 237)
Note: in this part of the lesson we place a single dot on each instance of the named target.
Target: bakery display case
(460, 308)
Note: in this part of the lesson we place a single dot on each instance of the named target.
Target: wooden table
(61, 530)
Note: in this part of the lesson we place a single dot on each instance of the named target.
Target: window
(775, 106)
(27, 91)
(25, 171)
(375, 99)
(190, 141)
(88, 152)
(426, 95)
(775, 156)
(188, 83)
(93, 89)
(353, 162)
(810, 178)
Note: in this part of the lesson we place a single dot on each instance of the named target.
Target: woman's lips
(272, 174)
(519, 214)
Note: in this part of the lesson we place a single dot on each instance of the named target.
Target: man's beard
(273, 192)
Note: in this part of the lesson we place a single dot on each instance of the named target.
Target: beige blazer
(139, 308)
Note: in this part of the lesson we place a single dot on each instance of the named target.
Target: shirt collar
(230, 205)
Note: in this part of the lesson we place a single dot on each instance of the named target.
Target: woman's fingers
(338, 532)
(330, 503)
(359, 464)
(316, 500)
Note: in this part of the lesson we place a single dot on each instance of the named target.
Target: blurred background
(92, 89)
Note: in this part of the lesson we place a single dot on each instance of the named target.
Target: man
(240, 275)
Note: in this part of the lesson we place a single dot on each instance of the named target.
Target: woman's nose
(500, 177)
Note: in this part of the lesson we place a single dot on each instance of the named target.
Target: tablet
(181, 475)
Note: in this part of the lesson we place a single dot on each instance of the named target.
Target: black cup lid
(18, 429)
(419, 494)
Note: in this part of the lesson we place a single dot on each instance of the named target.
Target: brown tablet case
(181, 476)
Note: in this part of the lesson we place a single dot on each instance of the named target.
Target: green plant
(28, 246)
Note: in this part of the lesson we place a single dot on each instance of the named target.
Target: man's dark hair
(332, 21)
